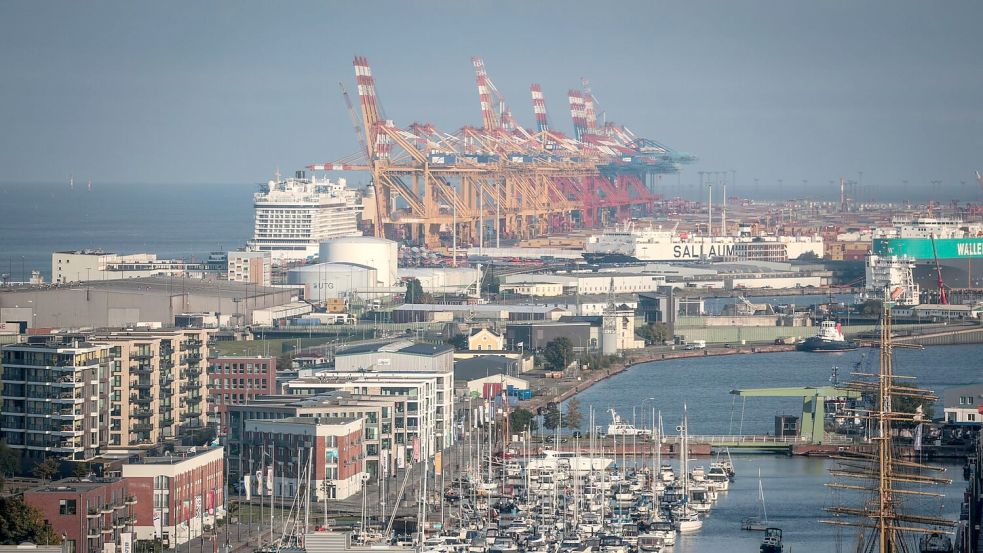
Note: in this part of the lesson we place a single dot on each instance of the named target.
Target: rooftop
(399, 346)
(177, 457)
(218, 289)
(75, 485)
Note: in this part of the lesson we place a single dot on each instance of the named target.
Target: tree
(414, 291)
(654, 333)
(871, 307)
(808, 256)
(558, 353)
(551, 416)
(909, 404)
(522, 419)
(459, 341)
(489, 282)
(80, 470)
(46, 469)
(20, 522)
(9, 460)
(573, 417)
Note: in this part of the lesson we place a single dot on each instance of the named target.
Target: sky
(794, 94)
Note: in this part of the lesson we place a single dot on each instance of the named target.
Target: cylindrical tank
(377, 253)
(324, 281)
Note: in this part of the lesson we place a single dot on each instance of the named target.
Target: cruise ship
(294, 215)
(629, 245)
(957, 244)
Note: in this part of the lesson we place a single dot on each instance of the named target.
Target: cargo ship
(958, 246)
(631, 245)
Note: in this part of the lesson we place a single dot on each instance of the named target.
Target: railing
(751, 439)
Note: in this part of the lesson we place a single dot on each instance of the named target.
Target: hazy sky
(229, 91)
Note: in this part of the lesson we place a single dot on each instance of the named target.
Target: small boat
(651, 543)
(759, 523)
(936, 542)
(772, 542)
(829, 338)
(690, 522)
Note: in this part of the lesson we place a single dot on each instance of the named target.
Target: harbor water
(794, 487)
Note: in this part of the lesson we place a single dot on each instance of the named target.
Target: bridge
(811, 423)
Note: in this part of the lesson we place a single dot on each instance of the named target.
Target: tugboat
(829, 338)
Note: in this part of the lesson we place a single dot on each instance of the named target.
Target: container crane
(943, 299)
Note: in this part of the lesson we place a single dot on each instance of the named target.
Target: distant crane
(979, 178)
(943, 299)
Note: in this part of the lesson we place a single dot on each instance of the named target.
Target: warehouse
(114, 303)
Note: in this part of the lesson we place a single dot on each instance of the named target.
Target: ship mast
(884, 525)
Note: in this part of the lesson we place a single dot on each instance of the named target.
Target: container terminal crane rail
(500, 180)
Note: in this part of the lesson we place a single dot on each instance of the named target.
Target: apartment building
(428, 417)
(328, 449)
(157, 384)
(385, 435)
(233, 380)
(54, 390)
(251, 267)
(91, 514)
(177, 495)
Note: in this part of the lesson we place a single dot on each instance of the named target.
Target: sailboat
(689, 520)
(759, 523)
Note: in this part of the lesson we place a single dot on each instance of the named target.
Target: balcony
(190, 415)
(167, 421)
(93, 533)
(142, 370)
(141, 413)
(106, 509)
(141, 355)
(142, 427)
(142, 400)
(141, 385)
(68, 382)
(66, 397)
(131, 500)
(93, 513)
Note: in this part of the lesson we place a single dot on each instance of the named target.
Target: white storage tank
(377, 253)
(324, 281)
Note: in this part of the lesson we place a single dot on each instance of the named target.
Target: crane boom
(943, 299)
(358, 128)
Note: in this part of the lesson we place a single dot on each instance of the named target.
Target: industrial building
(89, 265)
(122, 303)
(418, 312)
(378, 253)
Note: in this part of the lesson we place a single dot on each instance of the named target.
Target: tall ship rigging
(294, 215)
(886, 487)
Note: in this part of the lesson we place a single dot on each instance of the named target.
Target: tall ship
(294, 215)
(957, 245)
(630, 244)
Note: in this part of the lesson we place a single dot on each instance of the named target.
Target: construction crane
(979, 178)
(943, 298)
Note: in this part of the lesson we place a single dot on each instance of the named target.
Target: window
(66, 507)
(70, 546)
(971, 417)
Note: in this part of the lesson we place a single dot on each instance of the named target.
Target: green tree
(489, 282)
(9, 460)
(653, 333)
(551, 416)
(558, 353)
(80, 470)
(909, 403)
(459, 341)
(871, 307)
(808, 256)
(20, 522)
(414, 291)
(46, 469)
(522, 419)
(573, 416)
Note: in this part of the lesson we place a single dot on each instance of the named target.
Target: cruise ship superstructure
(628, 244)
(294, 215)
